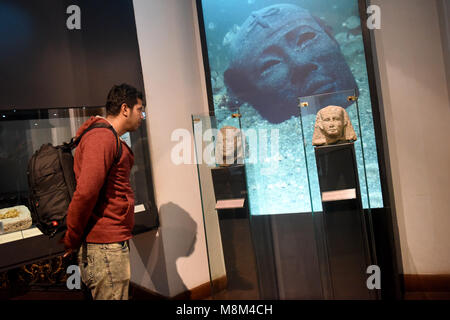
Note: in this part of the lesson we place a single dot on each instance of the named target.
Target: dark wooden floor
(427, 296)
(224, 295)
(231, 293)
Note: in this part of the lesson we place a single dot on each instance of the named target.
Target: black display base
(230, 183)
(235, 231)
(345, 236)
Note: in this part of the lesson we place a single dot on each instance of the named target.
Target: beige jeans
(105, 269)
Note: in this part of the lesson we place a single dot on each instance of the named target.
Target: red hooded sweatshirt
(108, 218)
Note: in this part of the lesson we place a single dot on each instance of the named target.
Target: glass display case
(304, 230)
(333, 143)
(22, 132)
(246, 66)
(220, 152)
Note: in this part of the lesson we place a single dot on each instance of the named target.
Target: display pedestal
(230, 189)
(346, 243)
(230, 186)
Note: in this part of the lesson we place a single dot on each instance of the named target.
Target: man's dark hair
(120, 94)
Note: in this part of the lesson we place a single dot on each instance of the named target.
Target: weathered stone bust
(332, 126)
(229, 148)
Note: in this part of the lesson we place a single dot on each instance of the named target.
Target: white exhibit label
(139, 208)
(344, 194)
(230, 203)
(9, 237)
(32, 232)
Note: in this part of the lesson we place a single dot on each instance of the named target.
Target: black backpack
(52, 182)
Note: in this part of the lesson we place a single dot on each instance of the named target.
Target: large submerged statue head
(280, 53)
(332, 126)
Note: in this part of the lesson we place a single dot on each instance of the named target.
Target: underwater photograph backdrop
(264, 55)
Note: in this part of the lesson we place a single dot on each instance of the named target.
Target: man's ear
(124, 109)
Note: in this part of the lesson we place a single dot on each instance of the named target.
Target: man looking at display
(100, 217)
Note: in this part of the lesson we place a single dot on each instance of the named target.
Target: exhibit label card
(230, 203)
(344, 194)
(32, 232)
(139, 208)
(9, 237)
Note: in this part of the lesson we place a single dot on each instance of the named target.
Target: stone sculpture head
(280, 53)
(229, 147)
(332, 126)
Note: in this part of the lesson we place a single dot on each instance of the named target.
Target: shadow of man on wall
(159, 251)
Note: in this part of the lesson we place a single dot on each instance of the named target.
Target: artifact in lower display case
(15, 219)
(229, 147)
(332, 126)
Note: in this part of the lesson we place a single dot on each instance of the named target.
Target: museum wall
(415, 99)
(173, 259)
(444, 23)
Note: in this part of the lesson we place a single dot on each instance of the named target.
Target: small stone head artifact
(332, 126)
(229, 146)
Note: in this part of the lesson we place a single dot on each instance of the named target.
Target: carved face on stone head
(332, 121)
(332, 126)
(229, 146)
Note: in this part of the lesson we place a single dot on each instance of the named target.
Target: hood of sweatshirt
(89, 122)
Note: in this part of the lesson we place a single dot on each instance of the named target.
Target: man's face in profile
(332, 122)
(135, 116)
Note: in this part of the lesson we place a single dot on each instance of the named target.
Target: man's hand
(67, 253)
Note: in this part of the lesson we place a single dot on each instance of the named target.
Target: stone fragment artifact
(332, 126)
(15, 218)
(229, 148)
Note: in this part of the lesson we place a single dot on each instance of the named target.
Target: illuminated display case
(337, 175)
(334, 234)
(220, 152)
(259, 58)
(22, 132)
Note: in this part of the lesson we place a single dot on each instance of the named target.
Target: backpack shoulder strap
(75, 141)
